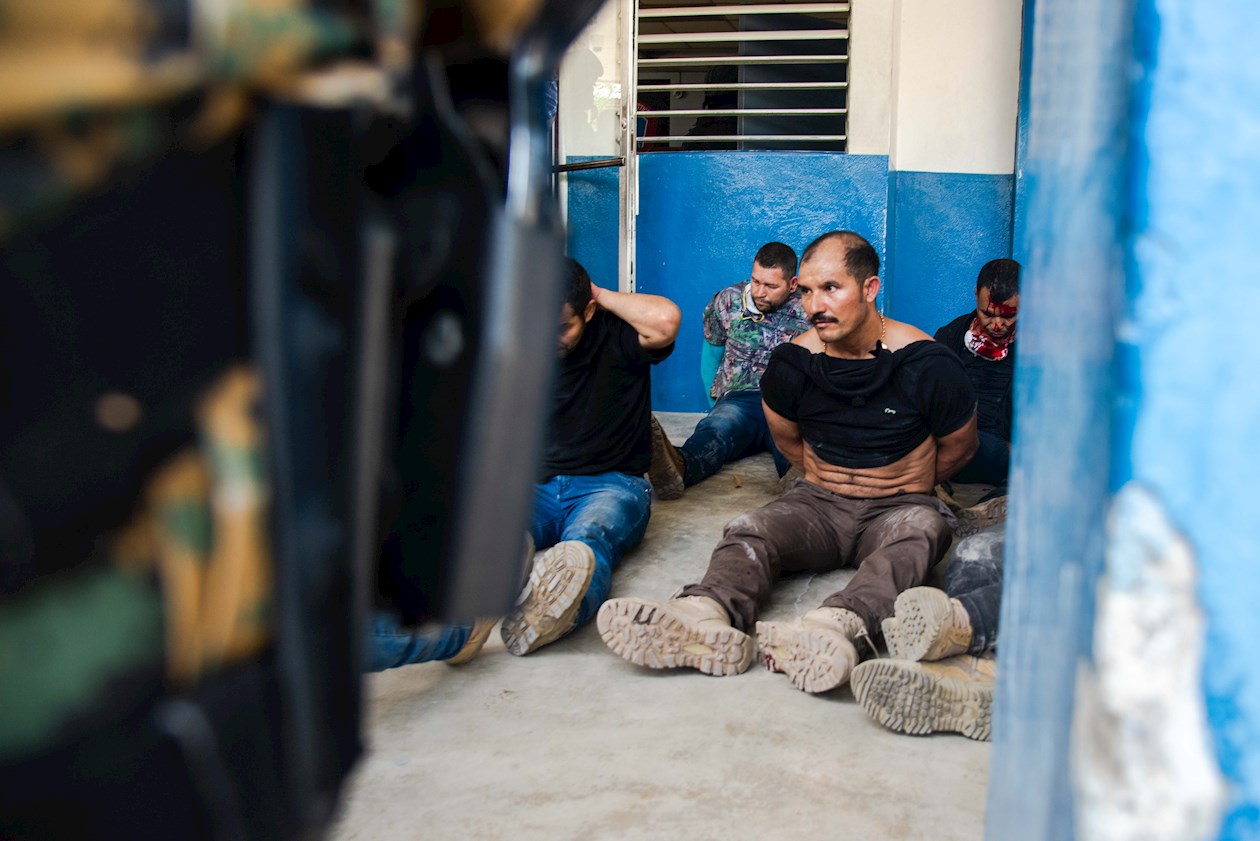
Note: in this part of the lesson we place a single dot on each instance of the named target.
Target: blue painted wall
(942, 227)
(703, 215)
(1072, 176)
(1192, 352)
(593, 220)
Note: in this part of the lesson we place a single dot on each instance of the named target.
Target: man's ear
(792, 283)
(589, 312)
(870, 288)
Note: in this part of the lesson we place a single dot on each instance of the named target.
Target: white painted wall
(870, 76)
(591, 89)
(955, 84)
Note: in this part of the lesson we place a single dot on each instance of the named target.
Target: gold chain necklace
(881, 325)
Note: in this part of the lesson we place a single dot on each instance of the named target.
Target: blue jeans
(390, 645)
(974, 577)
(608, 512)
(990, 464)
(734, 428)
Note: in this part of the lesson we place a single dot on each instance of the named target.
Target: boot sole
(919, 630)
(813, 659)
(551, 600)
(648, 634)
(903, 697)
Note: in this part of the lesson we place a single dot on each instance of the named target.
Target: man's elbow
(672, 320)
(972, 447)
(669, 321)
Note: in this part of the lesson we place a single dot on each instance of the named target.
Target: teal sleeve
(710, 359)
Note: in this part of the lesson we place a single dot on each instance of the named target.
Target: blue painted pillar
(1072, 287)
(1133, 484)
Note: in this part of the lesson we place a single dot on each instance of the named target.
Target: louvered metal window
(750, 76)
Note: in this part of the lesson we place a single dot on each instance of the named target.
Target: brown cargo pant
(893, 542)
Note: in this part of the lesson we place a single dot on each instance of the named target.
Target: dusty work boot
(548, 607)
(954, 695)
(667, 468)
(476, 639)
(979, 517)
(927, 625)
(693, 632)
(484, 625)
(816, 651)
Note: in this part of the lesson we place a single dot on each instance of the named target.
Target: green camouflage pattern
(747, 338)
(91, 87)
(201, 527)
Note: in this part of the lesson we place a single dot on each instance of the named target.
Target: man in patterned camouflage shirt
(742, 325)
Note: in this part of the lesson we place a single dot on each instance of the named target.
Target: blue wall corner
(942, 227)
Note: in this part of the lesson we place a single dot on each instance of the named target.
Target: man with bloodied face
(874, 414)
(984, 340)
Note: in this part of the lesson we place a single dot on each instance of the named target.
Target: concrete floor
(572, 742)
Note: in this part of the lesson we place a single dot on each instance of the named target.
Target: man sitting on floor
(873, 423)
(591, 505)
(984, 340)
(742, 325)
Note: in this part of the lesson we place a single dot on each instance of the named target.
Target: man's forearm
(950, 458)
(794, 452)
(787, 437)
(954, 450)
(653, 317)
(710, 361)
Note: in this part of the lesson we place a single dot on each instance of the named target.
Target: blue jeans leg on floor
(974, 577)
(734, 428)
(390, 645)
(608, 512)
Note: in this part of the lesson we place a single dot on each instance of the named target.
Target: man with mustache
(984, 340)
(742, 325)
(873, 419)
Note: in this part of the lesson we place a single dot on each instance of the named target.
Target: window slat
(745, 36)
(743, 86)
(747, 112)
(751, 138)
(735, 11)
(710, 60)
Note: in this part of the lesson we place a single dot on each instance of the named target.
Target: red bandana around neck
(985, 346)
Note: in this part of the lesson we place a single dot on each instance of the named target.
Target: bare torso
(915, 472)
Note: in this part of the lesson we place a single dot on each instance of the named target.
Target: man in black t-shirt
(873, 413)
(984, 340)
(591, 503)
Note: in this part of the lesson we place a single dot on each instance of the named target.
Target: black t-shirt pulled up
(869, 412)
(601, 418)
